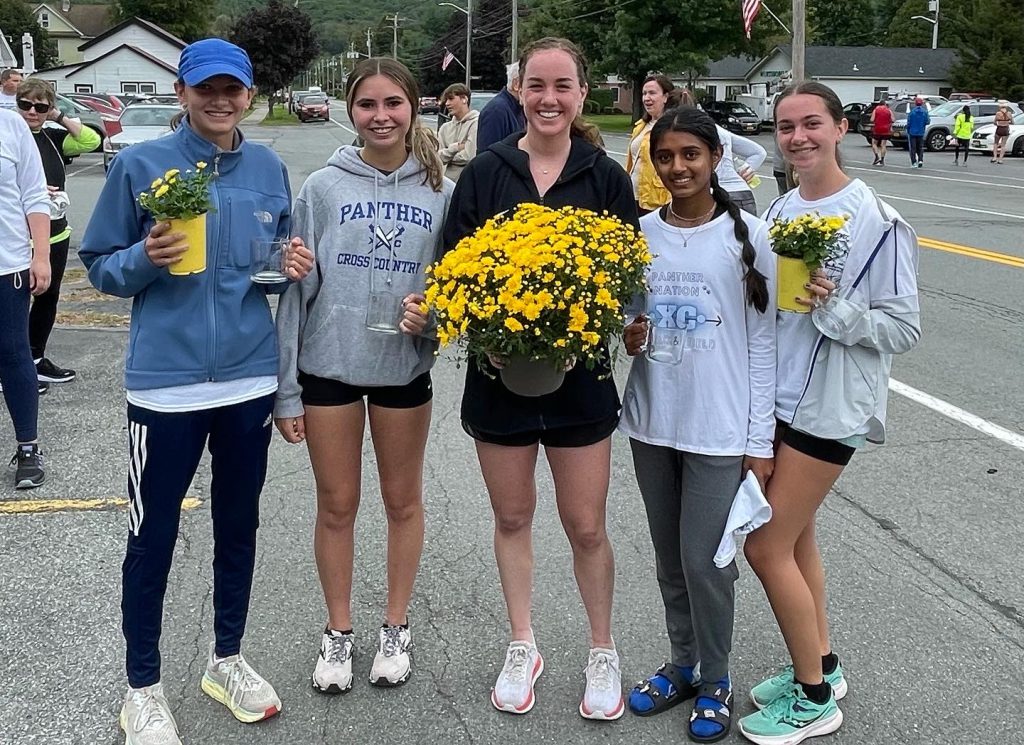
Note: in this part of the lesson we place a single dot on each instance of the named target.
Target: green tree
(634, 39)
(188, 19)
(492, 26)
(280, 41)
(992, 50)
(15, 19)
(906, 31)
(842, 23)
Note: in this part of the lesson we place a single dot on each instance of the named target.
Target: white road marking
(84, 168)
(1009, 437)
(335, 121)
(917, 174)
(953, 207)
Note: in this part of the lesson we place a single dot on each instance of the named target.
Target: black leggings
(44, 307)
(961, 143)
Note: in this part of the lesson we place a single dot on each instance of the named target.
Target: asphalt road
(921, 540)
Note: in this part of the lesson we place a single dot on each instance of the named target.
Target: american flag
(448, 59)
(750, 10)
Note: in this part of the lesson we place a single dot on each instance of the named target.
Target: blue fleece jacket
(211, 326)
(917, 121)
(500, 117)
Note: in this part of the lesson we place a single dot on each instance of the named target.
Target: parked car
(313, 106)
(936, 136)
(734, 116)
(900, 108)
(984, 137)
(853, 112)
(100, 103)
(429, 105)
(139, 123)
(89, 117)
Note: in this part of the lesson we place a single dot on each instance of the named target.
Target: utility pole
(369, 42)
(515, 30)
(934, 5)
(799, 39)
(469, 43)
(394, 27)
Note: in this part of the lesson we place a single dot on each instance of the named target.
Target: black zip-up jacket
(497, 180)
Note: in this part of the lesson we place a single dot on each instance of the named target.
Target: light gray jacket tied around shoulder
(368, 231)
(873, 315)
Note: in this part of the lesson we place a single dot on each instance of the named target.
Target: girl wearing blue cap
(201, 371)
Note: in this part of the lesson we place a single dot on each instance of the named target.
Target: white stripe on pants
(136, 465)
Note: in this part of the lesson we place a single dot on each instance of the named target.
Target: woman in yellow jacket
(657, 95)
(963, 128)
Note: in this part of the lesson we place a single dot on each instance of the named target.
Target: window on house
(44, 19)
(615, 93)
(136, 87)
(731, 91)
(712, 92)
(880, 93)
(83, 88)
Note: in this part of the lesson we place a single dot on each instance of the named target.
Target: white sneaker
(513, 691)
(333, 671)
(392, 664)
(146, 718)
(602, 699)
(234, 683)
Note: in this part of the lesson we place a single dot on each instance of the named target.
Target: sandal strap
(672, 674)
(715, 692)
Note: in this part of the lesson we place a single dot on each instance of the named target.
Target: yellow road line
(38, 506)
(974, 253)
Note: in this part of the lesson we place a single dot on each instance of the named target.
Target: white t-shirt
(719, 400)
(741, 147)
(200, 396)
(796, 332)
(8, 101)
(22, 192)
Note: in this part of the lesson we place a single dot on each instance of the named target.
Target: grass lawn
(612, 122)
(280, 116)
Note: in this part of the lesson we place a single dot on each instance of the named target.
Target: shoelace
(241, 679)
(150, 711)
(23, 455)
(516, 662)
(599, 671)
(392, 645)
(339, 648)
(781, 708)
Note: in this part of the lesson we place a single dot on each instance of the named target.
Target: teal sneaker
(791, 719)
(778, 685)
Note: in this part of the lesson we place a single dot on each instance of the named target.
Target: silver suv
(940, 128)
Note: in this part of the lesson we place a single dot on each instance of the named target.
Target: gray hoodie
(369, 232)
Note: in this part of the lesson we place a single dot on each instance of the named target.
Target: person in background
(24, 271)
(1004, 117)
(648, 190)
(457, 136)
(881, 131)
(963, 128)
(9, 81)
(782, 179)
(503, 114)
(200, 373)
(737, 169)
(37, 105)
(917, 124)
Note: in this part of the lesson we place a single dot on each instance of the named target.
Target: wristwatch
(59, 118)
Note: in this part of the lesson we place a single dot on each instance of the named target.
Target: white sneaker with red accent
(234, 683)
(602, 699)
(513, 691)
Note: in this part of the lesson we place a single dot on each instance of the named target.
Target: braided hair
(697, 123)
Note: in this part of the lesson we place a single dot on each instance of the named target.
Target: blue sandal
(668, 687)
(711, 707)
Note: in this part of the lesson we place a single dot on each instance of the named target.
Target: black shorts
(830, 451)
(326, 392)
(879, 139)
(575, 436)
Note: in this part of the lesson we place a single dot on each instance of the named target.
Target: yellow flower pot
(193, 261)
(793, 274)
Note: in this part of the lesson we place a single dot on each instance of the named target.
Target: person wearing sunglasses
(36, 102)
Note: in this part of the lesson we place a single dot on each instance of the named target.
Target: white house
(135, 56)
(863, 73)
(71, 25)
(725, 78)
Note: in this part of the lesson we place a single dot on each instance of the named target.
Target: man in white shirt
(9, 81)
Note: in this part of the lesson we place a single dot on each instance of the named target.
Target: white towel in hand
(750, 510)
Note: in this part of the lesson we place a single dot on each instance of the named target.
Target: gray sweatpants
(688, 497)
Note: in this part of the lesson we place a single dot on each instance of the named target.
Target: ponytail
(580, 127)
(423, 144)
(755, 283)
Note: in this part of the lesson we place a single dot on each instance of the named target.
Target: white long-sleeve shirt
(22, 191)
(741, 147)
(720, 399)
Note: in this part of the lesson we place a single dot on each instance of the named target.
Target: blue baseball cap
(204, 59)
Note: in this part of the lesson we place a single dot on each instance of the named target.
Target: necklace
(692, 222)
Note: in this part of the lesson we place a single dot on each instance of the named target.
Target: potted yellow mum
(540, 287)
(802, 246)
(183, 200)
